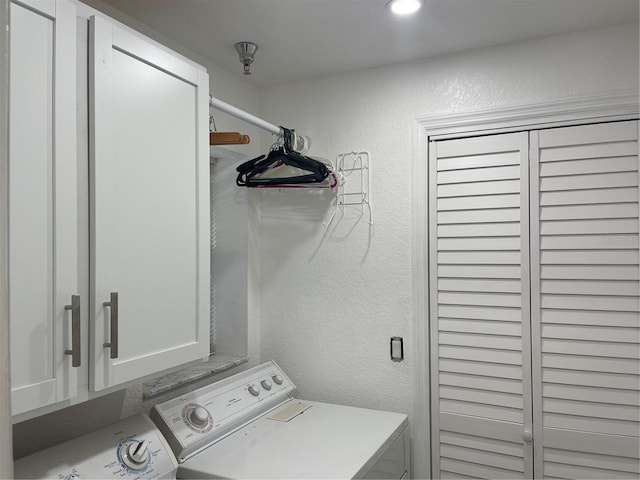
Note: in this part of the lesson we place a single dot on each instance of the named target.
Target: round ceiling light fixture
(405, 7)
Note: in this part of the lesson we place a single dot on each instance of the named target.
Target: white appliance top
(325, 441)
(226, 429)
(130, 449)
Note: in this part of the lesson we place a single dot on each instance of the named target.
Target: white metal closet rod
(242, 115)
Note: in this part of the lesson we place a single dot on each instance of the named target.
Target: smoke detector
(246, 51)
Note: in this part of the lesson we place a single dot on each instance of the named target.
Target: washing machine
(132, 448)
(250, 426)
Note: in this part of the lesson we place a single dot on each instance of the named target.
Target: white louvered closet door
(480, 322)
(585, 289)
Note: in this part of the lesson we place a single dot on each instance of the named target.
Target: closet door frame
(601, 108)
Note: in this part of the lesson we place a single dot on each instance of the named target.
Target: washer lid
(324, 441)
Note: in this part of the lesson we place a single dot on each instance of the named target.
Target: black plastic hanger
(250, 171)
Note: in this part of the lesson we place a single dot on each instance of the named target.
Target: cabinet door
(479, 281)
(43, 202)
(149, 208)
(585, 301)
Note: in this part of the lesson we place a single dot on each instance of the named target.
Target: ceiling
(305, 38)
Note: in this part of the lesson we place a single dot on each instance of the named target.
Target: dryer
(250, 426)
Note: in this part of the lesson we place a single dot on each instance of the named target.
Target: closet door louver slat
(479, 284)
(586, 301)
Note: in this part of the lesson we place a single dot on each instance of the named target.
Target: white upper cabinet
(148, 208)
(149, 164)
(43, 204)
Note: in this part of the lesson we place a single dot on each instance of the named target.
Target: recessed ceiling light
(405, 7)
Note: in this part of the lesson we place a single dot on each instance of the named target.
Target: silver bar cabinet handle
(113, 341)
(75, 330)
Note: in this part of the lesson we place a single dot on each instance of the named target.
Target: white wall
(331, 298)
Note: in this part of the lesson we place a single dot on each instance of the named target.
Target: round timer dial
(197, 418)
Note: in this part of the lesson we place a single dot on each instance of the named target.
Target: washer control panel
(133, 448)
(199, 418)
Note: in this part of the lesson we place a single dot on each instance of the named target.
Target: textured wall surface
(323, 301)
(332, 297)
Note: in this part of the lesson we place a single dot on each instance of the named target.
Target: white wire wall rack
(354, 169)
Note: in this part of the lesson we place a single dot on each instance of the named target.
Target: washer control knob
(266, 384)
(254, 390)
(277, 378)
(138, 453)
(135, 455)
(199, 416)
